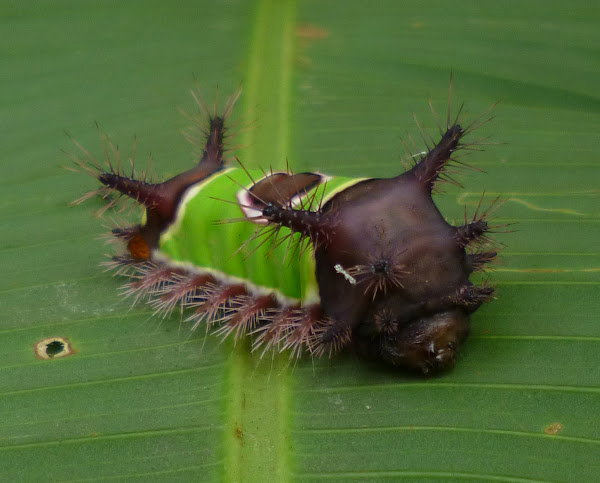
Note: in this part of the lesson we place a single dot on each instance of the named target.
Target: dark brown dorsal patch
(277, 189)
(282, 189)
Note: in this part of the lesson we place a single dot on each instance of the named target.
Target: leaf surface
(330, 86)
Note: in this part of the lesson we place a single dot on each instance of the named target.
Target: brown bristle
(149, 281)
(471, 297)
(275, 328)
(432, 165)
(183, 291)
(214, 300)
(302, 330)
(245, 316)
(329, 337)
(471, 232)
(479, 260)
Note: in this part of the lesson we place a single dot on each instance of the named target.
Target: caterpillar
(303, 262)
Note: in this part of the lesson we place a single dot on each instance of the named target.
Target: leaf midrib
(257, 401)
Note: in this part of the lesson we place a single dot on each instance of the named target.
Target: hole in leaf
(53, 348)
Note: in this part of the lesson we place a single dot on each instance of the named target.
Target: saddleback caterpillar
(304, 262)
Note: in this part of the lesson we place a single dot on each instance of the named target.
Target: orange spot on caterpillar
(138, 248)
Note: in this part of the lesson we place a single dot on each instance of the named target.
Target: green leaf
(330, 86)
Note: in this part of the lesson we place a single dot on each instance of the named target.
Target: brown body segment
(391, 271)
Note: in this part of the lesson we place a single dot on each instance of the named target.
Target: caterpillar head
(428, 343)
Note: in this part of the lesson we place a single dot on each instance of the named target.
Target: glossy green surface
(209, 233)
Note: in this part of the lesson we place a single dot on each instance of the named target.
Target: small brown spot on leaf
(52, 348)
(553, 429)
(239, 433)
(306, 34)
